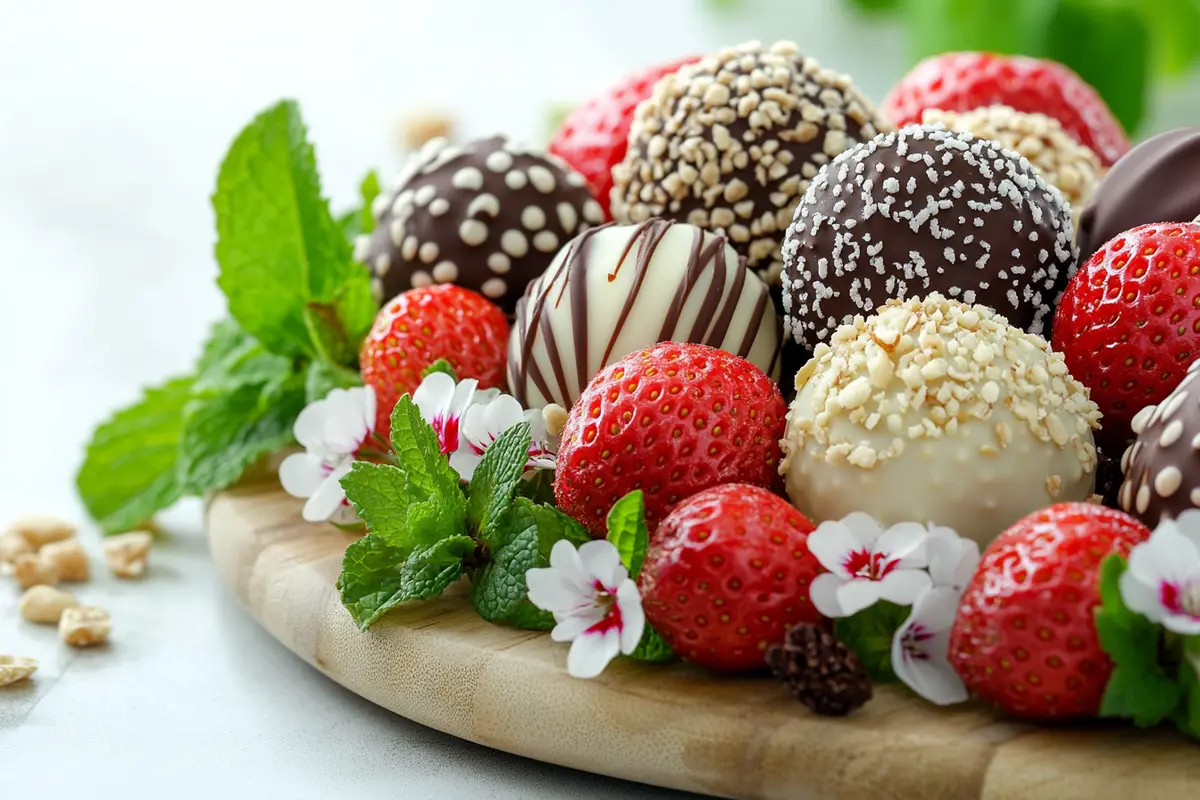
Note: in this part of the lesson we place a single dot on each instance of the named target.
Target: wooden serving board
(439, 664)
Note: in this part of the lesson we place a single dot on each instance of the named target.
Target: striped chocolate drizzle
(710, 326)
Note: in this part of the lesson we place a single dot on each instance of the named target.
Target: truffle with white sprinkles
(488, 215)
(935, 411)
(1162, 468)
(926, 210)
(730, 142)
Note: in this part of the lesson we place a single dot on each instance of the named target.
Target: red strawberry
(727, 574)
(1129, 321)
(965, 81)
(423, 325)
(1025, 637)
(672, 420)
(594, 135)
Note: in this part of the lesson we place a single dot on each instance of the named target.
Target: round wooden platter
(439, 664)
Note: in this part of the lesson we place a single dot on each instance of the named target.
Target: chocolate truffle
(617, 289)
(925, 210)
(488, 216)
(1156, 181)
(1162, 468)
(1065, 164)
(935, 411)
(730, 143)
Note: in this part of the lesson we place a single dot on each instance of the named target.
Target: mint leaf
(539, 488)
(225, 337)
(495, 480)
(869, 633)
(529, 617)
(652, 647)
(130, 471)
(245, 363)
(370, 583)
(443, 366)
(499, 587)
(431, 521)
(1187, 715)
(381, 495)
(627, 531)
(428, 572)
(323, 377)
(554, 525)
(1138, 689)
(361, 221)
(1012, 26)
(286, 268)
(420, 454)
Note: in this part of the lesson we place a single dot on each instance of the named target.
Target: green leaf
(1187, 716)
(323, 377)
(1085, 35)
(420, 454)
(432, 520)
(382, 494)
(130, 470)
(869, 633)
(627, 531)
(246, 364)
(876, 6)
(443, 366)
(652, 647)
(368, 190)
(539, 488)
(224, 433)
(370, 583)
(1175, 33)
(286, 268)
(553, 525)
(226, 337)
(1138, 689)
(495, 480)
(529, 617)
(998, 26)
(499, 587)
(428, 572)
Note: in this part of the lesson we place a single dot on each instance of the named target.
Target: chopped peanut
(16, 668)
(126, 554)
(30, 570)
(424, 126)
(44, 605)
(68, 559)
(84, 626)
(41, 529)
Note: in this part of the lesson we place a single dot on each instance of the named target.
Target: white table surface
(113, 117)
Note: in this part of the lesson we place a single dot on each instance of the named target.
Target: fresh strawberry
(594, 135)
(1129, 321)
(423, 325)
(671, 420)
(727, 574)
(1025, 637)
(965, 81)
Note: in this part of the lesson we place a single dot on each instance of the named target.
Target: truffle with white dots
(1162, 467)
(489, 215)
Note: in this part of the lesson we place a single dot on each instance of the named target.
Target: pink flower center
(446, 429)
(872, 566)
(612, 620)
(1181, 599)
(911, 642)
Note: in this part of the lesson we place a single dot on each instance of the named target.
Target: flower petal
(930, 676)
(565, 558)
(571, 626)
(633, 619)
(502, 413)
(1142, 597)
(301, 474)
(329, 496)
(310, 424)
(831, 543)
(936, 609)
(434, 394)
(952, 558)
(855, 595)
(865, 529)
(903, 586)
(1167, 555)
(591, 653)
(465, 461)
(551, 589)
(602, 563)
(1182, 624)
(823, 592)
(1188, 525)
(905, 541)
(460, 401)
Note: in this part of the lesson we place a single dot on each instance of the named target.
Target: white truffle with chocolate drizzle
(1162, 468)
(935, 411)
(614, 290)
(731, 141)
(488, 216)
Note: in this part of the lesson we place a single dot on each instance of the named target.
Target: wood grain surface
(439, 664)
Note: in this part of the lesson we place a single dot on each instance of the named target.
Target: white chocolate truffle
(614, 290)
(935, 411)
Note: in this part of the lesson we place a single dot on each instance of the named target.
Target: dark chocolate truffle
(730, 142)
(1157, 181)
(920, 211)
(488, 216)
(1162, 468)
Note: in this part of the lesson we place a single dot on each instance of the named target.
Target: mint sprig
(498, 588)
(627, 532)
(494, 483)
(869, 634)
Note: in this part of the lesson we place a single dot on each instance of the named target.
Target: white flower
(483, 424)
(331, 431)
(867, 564)
(594, 601)
(921, 646)
(1163, 579)
(952, 558)
(443, 404)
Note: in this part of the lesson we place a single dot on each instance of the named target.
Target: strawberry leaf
(627, 531)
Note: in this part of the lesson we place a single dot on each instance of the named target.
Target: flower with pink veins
(483, 424)
(921, 647)
(444, 404)
(595, 604)
(1163, 579)
(867, 563)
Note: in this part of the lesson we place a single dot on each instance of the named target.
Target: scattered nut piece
(16, 668)
(41, 529)
(44, 605)
(67, 558)
(84, 626)
(126, 554)
(419, 127)
(555, 418)
(29, 570)
(13, 544)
